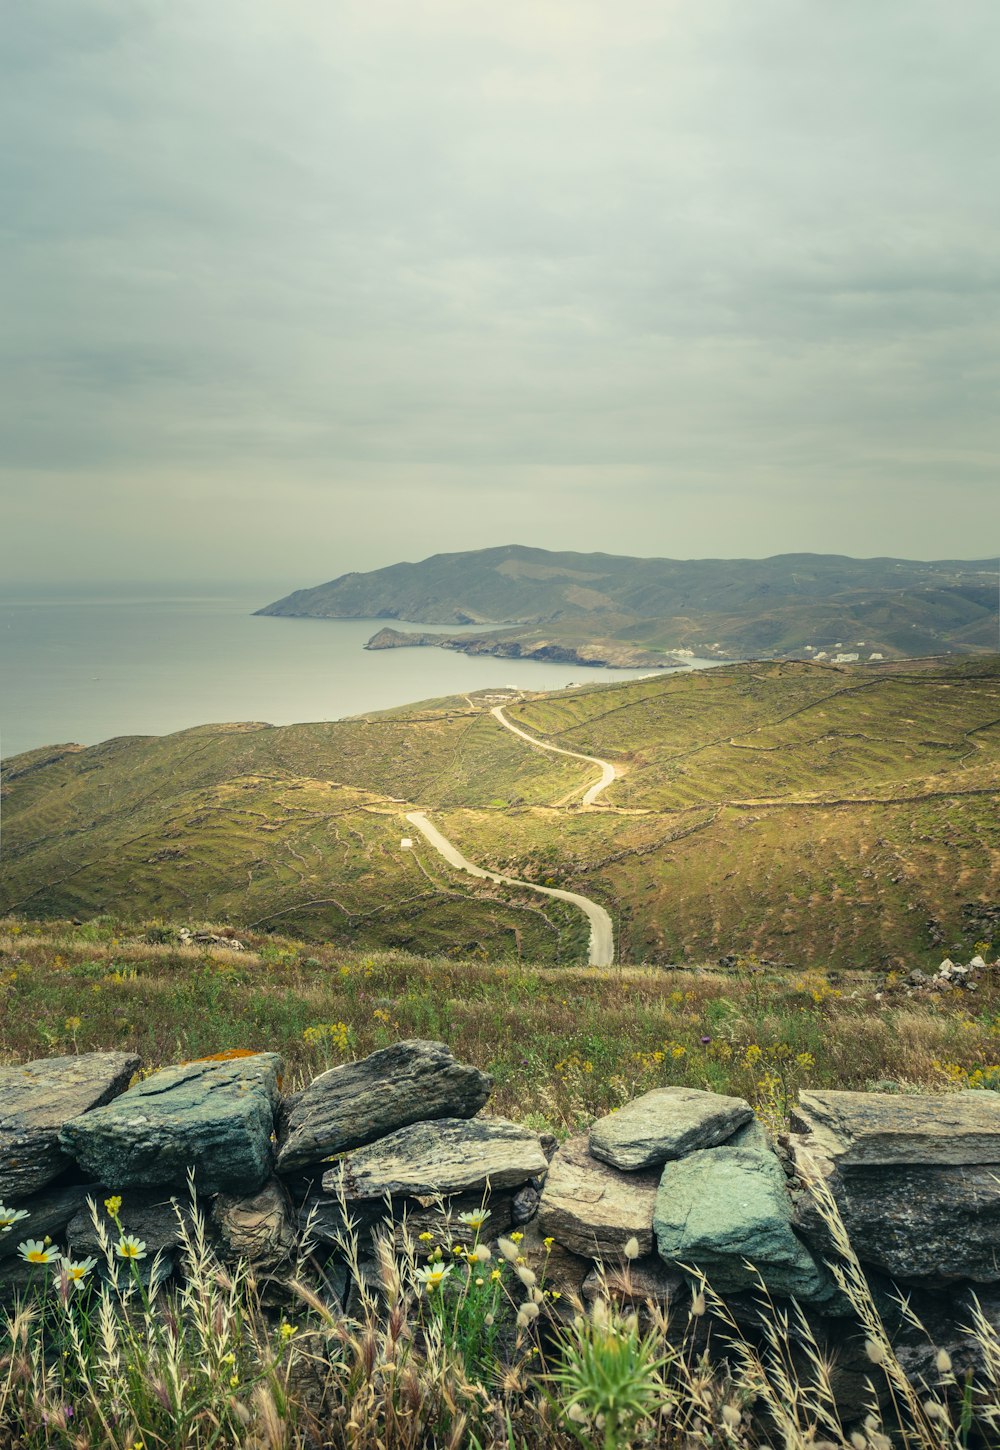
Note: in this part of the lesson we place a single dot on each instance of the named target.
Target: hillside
(806, 813)
(605, 609)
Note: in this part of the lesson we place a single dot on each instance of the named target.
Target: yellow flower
(113, 1204)
(426, 1238)
(288, 1331)
(496, 1276)
(548, 1242)
(234, 1380)
(516, 1238)
(129, 1247)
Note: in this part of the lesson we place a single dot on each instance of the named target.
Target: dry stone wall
(674, 1182)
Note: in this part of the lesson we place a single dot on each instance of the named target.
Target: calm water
(90, 664)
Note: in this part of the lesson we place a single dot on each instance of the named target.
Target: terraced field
(818, 815)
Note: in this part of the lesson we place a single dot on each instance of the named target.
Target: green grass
(563, 1044)
(843, 817)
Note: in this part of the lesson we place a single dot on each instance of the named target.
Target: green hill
(806, 813)
(609, 609)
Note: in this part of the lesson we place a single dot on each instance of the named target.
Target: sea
(84, 663)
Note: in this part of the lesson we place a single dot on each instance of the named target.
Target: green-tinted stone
(213, 1117)
(721, 1208)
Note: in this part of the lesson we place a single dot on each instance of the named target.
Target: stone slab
(37, 1098)
(873, 1129)
(720, 1209)
(449, 1156)
(359, 1102)
(213, 1117)
(593, 1209)
(665, 1124)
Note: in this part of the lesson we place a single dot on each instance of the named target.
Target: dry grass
(563, 1045)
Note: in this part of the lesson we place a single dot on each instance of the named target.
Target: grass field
(563, 1044)
(827, 817)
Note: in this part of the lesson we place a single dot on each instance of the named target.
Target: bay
(86, 663)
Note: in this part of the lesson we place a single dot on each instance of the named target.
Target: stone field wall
(675, 1181)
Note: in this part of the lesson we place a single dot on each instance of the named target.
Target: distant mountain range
(606, 609)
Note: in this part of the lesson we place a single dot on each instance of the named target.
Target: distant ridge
(613, 605)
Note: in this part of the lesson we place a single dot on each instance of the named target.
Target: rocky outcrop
(593, 1209)
(358, 1102)
(444, 1157)
(664, 1124)
(213, 1118)
(37, 1099)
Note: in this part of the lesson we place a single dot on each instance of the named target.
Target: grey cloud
(345, 255)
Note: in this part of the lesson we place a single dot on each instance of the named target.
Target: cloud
(718, 270)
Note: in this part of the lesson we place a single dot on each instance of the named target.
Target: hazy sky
(292, 287)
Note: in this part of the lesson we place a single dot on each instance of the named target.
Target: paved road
(608, 772)
(602, 937)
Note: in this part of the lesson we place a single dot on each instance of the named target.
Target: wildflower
(548, 1244)
(489, 1320)
(426, 1238)
(234, 1380)
(77, 1272)
(705, 1041)
(288, 1331)
(631, 1249)
(34, 1251)
(474, 1219)
(516, 1238)
(480, 1283)
(496, 1276)
(129, 1247)
(10, 1216)
(113, 1205)
(431, 1278)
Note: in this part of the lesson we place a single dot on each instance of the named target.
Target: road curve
(608, 771)
(602, 937)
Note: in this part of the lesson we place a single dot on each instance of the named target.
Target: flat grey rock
(593, 1209)
(452, 1155)
(665, 1124)
(721, 1208)
(37, 1098)
(873, 1129)
(359, 1102)
(213, 1117)
(920, 1223)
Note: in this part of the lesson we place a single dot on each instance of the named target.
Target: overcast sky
(292, 287)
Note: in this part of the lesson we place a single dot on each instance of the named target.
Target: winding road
(608, 771)
(602, 937)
